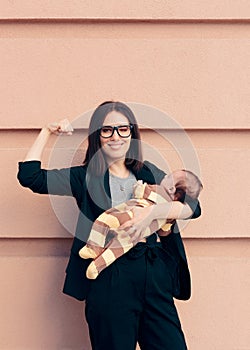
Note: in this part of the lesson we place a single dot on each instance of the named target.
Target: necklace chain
(122, 182)
(121, 188)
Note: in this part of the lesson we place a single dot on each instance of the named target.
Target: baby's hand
(61, 127)
(139, 188)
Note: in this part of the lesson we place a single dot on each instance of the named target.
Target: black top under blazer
(92, 194)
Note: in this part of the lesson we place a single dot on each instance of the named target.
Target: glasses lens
(123, 131)
(106, 131)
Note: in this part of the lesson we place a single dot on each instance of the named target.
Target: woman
(132, 299)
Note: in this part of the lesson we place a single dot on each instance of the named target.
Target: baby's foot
(88, 252)
(92, 271)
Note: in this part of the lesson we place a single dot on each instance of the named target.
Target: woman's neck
(119, 169)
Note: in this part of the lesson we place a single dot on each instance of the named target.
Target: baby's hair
(192, 186)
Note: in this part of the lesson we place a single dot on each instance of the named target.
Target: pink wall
(189, 61)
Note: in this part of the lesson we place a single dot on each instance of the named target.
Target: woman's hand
(142, 218)
(61, 127)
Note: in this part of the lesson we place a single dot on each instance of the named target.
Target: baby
(179, 183)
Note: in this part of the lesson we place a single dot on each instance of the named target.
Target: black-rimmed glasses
(107, 131)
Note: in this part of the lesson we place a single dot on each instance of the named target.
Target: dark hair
(133, 158)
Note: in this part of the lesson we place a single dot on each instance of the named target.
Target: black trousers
(132, 301)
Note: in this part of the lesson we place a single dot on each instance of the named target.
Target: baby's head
(181, 182)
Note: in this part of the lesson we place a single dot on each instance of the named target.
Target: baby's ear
(139, 189)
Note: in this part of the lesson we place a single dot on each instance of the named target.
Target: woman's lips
(116, 146)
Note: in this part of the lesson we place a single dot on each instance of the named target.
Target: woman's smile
(115, 145)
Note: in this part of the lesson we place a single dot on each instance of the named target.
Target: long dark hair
(133, 158)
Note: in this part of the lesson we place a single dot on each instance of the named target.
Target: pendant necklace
(124, 184)
(121, 188)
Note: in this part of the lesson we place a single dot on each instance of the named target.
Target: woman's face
(115, 147)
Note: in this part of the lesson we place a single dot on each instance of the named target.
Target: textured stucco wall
(189, 61)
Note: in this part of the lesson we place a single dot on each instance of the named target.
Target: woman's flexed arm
(54, 181)
(36, 150)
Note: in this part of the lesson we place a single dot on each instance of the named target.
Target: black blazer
(92, 194)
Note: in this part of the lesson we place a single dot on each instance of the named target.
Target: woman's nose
(115, 135)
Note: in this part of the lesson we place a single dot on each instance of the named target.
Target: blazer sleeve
(194, 205)
(64, 182)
